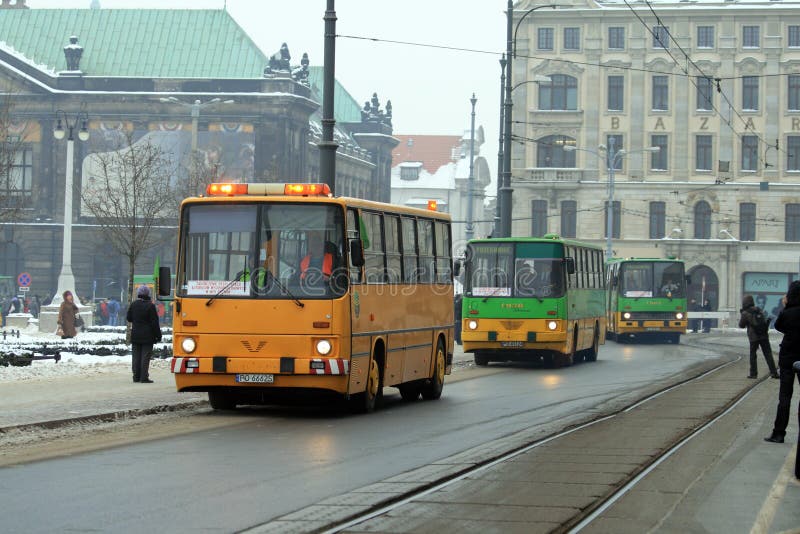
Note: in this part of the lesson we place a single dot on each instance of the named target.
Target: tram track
(588, 514)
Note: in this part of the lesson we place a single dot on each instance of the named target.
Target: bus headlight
(679, 315)
(472, 325)
(324, 347)
(552, 325)
(626, 315)
(188, 345)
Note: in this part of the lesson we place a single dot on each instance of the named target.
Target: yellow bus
(283, 288)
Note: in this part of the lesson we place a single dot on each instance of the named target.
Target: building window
(793, 153)
(794, 92)
(616, 92)
(559, 95)
(616, 38)
(702, 220)
(749, 153)
(614, 140)
(750, 93)
(703, 153)
(616, 220)
(658, 220)
(660, 93)
(19, 184)
(572, 38)
(550, 152)
(794, 36)
(747, 221)
(750, 36)
(661, 37)
(538, 218)
(545, 39)
(705, 93)
(658, 160)
(569, 218)
(409, 172)
(792, 222)
(705, 37)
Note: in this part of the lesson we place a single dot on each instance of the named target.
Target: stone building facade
(723, 191)
(219, 101)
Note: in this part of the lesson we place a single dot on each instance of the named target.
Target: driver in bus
(319, 258)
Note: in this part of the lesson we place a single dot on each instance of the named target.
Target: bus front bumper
(473, 340)
(651, 327)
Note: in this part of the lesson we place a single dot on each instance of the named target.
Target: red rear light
(189, 322)
(226, 189)
(307, 189)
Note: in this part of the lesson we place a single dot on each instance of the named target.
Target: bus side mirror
(356, 253)
(456, 267)
(570, 264)
(164, 282)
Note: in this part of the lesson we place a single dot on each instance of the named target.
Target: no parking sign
(24, 280)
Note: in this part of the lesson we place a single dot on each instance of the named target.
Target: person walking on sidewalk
(67, 317)
(754, 319)
(788, 323)
(145, 332)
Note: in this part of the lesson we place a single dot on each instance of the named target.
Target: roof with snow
(433, 151)
(153, 43)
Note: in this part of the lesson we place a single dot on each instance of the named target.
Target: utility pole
(496, 228)
(505, 189)
(611, 162)
(470, 233)
(327, 146)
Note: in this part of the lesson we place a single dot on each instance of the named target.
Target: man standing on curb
(788, 323)
(754, 319)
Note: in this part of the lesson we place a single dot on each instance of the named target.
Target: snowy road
(273, 460)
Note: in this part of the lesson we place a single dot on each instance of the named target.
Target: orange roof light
(226, 189)
(432, 205)
(307, 189)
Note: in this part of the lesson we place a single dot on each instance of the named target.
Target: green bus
(533, 299)
(646, 299)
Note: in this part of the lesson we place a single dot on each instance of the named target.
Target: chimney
(73, 52)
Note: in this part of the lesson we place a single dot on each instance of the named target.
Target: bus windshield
(656, 279)
(502, 270)
(267, 250)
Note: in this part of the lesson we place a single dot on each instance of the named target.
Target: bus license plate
(253, 378)
(512, 344)
(652, 329)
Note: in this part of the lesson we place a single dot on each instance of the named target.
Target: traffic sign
(23, 289)
(24, 279)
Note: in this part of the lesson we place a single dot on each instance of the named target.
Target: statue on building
(300, 74)
(387, 119)
(372, 111)
(73, 52)
(279, 61)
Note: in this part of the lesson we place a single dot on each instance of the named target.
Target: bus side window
(394, 270)
(353, 233)
(409, 235)
(374, 265)
(426, 257)
(443, 252)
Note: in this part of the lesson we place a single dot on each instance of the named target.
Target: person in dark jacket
(788, 323)
(145, 332)
(746, 320)
(457, 301)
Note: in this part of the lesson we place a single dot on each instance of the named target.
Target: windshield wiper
(227, 287)
(285, 289)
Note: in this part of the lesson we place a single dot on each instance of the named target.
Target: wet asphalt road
(270, 461)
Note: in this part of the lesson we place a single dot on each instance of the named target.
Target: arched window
(550, 152)
(560, 94)
(702, 220)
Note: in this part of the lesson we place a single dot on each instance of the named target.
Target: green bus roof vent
(551, 236)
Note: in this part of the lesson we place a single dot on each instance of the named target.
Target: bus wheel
(481, 359)
(409, 392)
(367, 401)
(432, 389)
(591, 356)
(221, 400)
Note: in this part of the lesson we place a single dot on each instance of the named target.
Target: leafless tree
(131, 192)
(12, 135)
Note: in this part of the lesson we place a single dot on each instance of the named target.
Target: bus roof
(549, 238)
(344, 201)
(645, 260)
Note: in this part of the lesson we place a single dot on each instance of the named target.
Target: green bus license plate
(512, 344)
(252, 378)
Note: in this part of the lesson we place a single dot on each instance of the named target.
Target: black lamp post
(496, 228)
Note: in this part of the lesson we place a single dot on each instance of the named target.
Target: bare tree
(12, 186)
(130, 192)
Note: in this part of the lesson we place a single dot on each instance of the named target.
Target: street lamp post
(471, 182)
(505, 197)
(612, 157)
(65, 128)
(496, 228)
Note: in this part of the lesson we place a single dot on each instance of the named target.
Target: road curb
(119, 415)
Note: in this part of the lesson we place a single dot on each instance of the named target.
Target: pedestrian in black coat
(746, 320)
(145, 332)
(788, 323)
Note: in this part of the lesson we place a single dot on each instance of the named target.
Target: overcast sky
(429, 88)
